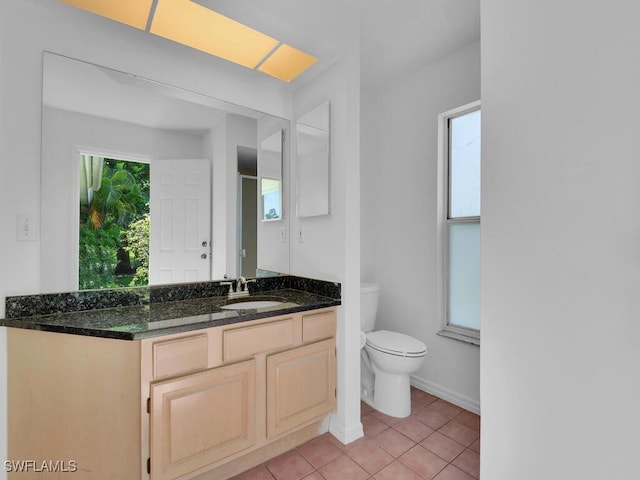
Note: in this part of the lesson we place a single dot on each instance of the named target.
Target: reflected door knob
(203, 256)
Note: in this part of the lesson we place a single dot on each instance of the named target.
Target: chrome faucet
(242, 285)
(241, 289)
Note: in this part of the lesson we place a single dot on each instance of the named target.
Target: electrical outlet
(25, 228)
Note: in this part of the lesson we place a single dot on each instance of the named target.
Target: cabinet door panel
(301, 386)
(201, 418)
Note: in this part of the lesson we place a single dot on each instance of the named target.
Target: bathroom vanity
(198, 395)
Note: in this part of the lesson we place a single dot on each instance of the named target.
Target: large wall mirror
(313, 162)
(107, 135)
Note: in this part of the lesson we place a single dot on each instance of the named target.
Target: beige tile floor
(437, 441)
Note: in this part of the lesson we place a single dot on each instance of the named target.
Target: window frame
(456, 332)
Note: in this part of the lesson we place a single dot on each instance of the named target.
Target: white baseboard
(346, 434)
(444, 393)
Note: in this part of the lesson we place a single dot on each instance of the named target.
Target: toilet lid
(396, 343)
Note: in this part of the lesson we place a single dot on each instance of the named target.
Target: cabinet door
(301, 386)
(201, 418)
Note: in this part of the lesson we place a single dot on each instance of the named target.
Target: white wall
(64, 133)
(331, 244)
(399, 209)
(368, 182)
(321, 253)
(273, 252)
(560, 240)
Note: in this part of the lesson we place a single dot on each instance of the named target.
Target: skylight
(198, 27)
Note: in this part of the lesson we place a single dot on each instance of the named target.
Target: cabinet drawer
(318, 326)
(245, 342)
(180, 355)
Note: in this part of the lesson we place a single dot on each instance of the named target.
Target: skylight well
(196, 26)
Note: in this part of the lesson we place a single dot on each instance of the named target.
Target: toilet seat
(395, 343)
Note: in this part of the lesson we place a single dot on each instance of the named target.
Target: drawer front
(245, 342)
(318, 326)
(180, 355)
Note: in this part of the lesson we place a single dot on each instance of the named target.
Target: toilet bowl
(387, 360)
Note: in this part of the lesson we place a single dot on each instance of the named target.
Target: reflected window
(271, 198)
(113, 243)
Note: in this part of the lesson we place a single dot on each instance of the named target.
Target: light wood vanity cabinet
(205, 404)
(261, 381)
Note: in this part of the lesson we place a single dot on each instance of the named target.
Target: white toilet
(387, 359)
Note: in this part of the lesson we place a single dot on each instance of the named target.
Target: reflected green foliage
(105, 254)
(271, 214)
(98, 257)
(137, 245)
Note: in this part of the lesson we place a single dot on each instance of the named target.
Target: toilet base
(366, 379)
(392, 394)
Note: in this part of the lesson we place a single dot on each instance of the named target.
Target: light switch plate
(26, 228)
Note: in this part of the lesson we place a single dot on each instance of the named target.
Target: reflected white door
(180, 221)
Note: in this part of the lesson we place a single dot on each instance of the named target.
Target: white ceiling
(403, 35)
(395, 36)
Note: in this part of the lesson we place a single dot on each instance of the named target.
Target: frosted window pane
(464, 275)
(464, 165)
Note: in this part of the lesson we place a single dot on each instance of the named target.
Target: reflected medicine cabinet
(312, 135)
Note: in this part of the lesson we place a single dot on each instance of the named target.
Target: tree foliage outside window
(137, 245)
(114, 228)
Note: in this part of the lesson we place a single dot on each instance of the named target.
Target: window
(459, 157)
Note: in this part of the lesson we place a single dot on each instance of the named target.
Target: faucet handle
(230, 285)
(247, 282)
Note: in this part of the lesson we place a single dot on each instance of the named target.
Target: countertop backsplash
(135, 313)
(51, 303)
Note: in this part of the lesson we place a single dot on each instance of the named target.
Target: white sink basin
(251, 304)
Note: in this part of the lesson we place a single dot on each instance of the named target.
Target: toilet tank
(369, 294)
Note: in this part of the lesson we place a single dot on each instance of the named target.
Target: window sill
(472, 337)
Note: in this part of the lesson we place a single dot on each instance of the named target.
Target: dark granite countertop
(168, 316)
